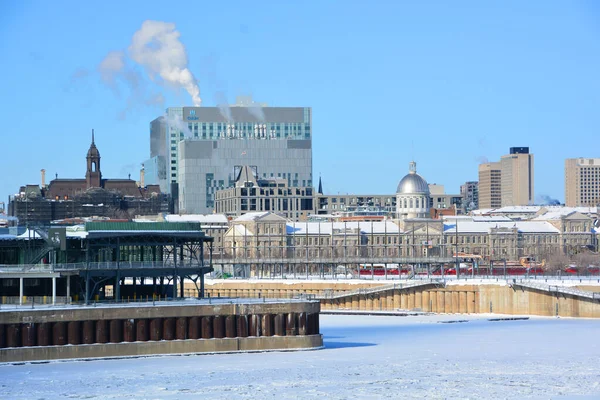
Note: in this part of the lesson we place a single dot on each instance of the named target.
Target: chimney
(43, 171)
(142, 177)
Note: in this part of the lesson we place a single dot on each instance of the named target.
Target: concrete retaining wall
(467, 298)
(112, 331)
(163, 347)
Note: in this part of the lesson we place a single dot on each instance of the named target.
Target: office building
(201, 146)
(489, 185)
(582, 182)
(517, 177)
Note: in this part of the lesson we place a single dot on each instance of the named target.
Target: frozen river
(368, 357)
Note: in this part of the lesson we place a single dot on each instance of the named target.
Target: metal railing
(98, 266)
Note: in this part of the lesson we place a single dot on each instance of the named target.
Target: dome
(413, 183)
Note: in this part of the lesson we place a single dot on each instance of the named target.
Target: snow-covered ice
(368, 357)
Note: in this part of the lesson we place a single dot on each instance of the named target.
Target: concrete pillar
(290, 325)
(181, 331)
(302, 324)
(470, 302)
(218, 327)
(355, 303)
(28, 334)
(13, 335)
(369, 304)
(168, 328)
(455, 302)
(206, 325)
(411, 300)
(279, 322)
(68, 289)
(141, 330)
(404, 300)
(242, 326)
(53, 290)
(115, 331)
(267, 325)
(396, 299)
(102, 331)
(129, 332)
(74, 332)
(254, 325)
(426, 306)
(43, 334)
(230, 326)
(3, 335)
(362, 303)
(89, 332)
(21, 291)
(433, 296)
(59, 333)
(419, 300)
(441, 304)
(156, 329)
(463, 302)
(448, 302)
(194, 328)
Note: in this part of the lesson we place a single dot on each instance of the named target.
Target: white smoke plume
(223, 105)
(256, 110)
(111, 67)
(178, 122)
(157, 48)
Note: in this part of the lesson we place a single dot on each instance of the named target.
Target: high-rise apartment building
(489, 185)
(194, 149)
(582, 182)
(470, 194)
(517, 177)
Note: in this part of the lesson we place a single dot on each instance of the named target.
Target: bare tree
(556, 262)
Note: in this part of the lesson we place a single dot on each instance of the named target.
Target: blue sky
(446, 83)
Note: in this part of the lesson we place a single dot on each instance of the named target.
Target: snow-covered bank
(364, 357)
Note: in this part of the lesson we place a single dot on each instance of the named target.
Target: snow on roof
(326, 228)
(240, 230)
(491, 218)
(583, 210)
(482, 211)
(203, 219)
(517, 209)
(486, 227)
(30, 234)
(556, 213)
(252, 216)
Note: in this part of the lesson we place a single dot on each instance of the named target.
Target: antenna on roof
(92, 136)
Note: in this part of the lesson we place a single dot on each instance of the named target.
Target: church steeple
(93, 176)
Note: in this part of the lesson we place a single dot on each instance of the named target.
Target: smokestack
(142, 177)
(43, 171)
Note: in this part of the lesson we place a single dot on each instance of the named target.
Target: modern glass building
(202, 145)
